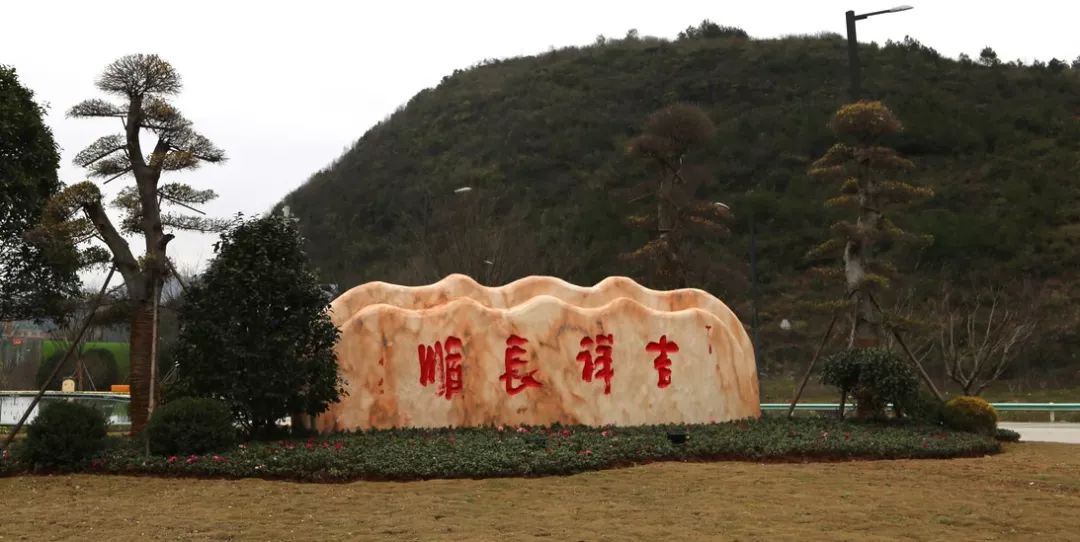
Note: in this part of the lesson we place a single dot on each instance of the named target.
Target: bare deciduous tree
(978, 338)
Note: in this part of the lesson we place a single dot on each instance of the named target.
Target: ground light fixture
(677, 436)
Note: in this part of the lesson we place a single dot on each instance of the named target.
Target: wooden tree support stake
(56, 370)
(911, 357)
(813, 361)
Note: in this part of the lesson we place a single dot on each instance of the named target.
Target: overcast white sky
(285, 87)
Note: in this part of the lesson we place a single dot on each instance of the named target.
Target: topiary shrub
(926, 409)
(191, 425)
(1006, 435)
(874, 377)
(63, 436)
(971, 414)
(100, 364)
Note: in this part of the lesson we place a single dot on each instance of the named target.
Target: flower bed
(414, 454)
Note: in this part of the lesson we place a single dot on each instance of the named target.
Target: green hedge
(414, 454)
(63, 436)
(121, 353)
(191, 425)
(1006, 435)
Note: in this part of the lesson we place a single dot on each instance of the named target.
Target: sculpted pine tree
(78, 213)
(867, 171)
(670, 134)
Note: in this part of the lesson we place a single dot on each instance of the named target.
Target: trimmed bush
(418, 454)
(64, 435)
(925, 409)
(971, 414)
(1006, 435)
(191, 425)
(874, 377)
(100, 363)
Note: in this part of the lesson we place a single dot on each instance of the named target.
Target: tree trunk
(858, 254)
(866, 332)
(141, 338)
(678, 264)
(665, 221)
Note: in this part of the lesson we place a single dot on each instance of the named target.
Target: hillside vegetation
(542, 141)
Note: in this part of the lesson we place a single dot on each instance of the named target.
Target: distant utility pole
(853, 47)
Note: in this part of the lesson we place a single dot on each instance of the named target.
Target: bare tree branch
(978, 341)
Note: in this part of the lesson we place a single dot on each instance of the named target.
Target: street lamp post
(753, 280)
(489, 264)
(853, 46)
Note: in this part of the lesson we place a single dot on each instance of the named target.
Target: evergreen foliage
(191, 425)
(484, 452)
(868, 171)
(76, 215)
(970, 413)
(254, 329)
(681, 222)
(99, 366)
(36, 276)
(64, 435)
(874, 377)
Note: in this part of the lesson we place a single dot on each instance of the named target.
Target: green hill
(542, 142)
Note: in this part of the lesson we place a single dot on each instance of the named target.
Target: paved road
(1046, 432)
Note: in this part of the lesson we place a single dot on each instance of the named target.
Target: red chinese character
(444, 370)
(603, 360)
(453, 366)
(430, 359)
(662, 362)
(585, 356)
(512, 362)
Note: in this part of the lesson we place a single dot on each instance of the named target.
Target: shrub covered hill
(542, 142)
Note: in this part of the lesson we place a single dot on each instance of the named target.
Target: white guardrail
(115, 405)
(1052, 408)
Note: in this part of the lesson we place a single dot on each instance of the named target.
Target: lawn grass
(1026, 493)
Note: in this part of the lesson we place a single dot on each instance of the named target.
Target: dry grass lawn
(1031, 492)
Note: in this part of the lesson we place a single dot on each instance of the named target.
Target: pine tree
(78, 213)
(670, 134)
(867, 170)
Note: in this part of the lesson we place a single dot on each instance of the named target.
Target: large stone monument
(538, 351)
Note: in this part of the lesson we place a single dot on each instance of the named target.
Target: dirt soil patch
(1026, 493)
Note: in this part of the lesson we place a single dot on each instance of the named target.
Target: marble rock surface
(538, 352)
(518, 292)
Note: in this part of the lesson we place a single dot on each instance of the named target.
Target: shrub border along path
(417, 454)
